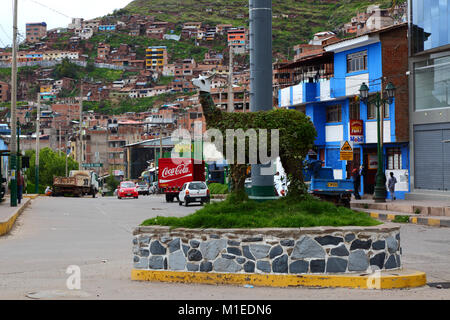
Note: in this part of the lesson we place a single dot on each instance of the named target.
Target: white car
(196, 191)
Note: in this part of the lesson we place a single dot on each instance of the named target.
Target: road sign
(346, 151)
(92, 165)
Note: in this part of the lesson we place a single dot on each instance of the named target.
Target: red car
(127, 189)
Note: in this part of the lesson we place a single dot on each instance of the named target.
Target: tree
(50, 165)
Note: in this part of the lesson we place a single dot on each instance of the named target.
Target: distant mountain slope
(306, 17)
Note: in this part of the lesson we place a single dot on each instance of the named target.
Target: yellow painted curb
(434, 222)
(391, 280)
(32, 197)
(5, 227)
(374, 215)
(391, 217)
(414, 220)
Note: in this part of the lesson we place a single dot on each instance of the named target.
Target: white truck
(79, 183)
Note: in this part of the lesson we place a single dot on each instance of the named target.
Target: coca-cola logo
(181, 169)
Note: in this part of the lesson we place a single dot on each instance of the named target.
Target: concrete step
(428, 195)
(407, 207)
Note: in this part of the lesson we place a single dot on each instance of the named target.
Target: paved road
(95, 234)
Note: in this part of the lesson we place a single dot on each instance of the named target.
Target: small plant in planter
(366, 206)
(418, 211)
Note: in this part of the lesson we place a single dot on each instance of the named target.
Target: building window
(357, 61)
(354, 110)
(432, 83)
(386, 111)
(394, 159)
(371, 111)
(334, 114)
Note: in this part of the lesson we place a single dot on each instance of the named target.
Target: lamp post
(380, 187)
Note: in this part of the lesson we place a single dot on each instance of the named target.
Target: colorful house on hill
(327, 90)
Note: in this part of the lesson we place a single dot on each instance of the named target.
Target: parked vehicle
(79, 183)
(174, 173)
(127, 189)
(196, 191)
(143, 188)
(325, 186)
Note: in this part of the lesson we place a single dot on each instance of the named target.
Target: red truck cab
(174, 173)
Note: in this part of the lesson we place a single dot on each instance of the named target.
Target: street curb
(6, 226)
(387, 280)
(34, 196)
(432, 222)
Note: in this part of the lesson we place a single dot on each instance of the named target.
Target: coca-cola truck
(174, 173)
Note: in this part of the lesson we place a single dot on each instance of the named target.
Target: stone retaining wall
(268, 251)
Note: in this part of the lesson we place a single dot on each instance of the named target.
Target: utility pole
(80, 153)
(230, 83)
(13, 142)
(59, 146)
(38, 140)
(160, 142)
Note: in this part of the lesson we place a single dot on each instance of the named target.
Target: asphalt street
(96, 235)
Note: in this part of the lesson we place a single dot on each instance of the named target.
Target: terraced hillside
(295, 21)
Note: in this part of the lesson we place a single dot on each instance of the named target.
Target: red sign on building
(357, 131)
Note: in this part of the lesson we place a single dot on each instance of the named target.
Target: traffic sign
(346, 151)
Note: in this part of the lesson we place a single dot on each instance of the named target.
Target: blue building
(327, 91)
(107, 28)
(429, 66)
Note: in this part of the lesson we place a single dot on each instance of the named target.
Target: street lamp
(380, 187)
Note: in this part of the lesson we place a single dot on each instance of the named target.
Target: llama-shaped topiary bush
(296, 137)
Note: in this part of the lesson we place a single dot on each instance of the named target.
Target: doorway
(371, 168)
(355, 164)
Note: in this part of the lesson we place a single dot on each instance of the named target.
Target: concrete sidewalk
(423, 208)
(8, 214)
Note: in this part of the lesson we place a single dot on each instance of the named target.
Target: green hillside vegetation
(114, 107)
(176, 49)
(307, 16)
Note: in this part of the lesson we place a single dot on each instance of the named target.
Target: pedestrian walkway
(8, 214)
(431, 213)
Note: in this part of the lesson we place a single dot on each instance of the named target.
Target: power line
(6, 34)
(52, 9)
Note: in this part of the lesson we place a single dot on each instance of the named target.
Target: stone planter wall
(268, 251)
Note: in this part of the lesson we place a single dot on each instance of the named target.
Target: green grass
(281, 213)
(217, 188)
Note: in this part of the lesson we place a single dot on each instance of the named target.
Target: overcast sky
(39, 11)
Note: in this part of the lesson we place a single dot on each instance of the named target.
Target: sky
(56, 13)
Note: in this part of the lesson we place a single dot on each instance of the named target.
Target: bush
(282, 213)
(401, 219)
(217, 188)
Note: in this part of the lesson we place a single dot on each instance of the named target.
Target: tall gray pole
(13, 143)
(261, 91)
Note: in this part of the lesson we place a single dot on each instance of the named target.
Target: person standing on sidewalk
(391, 185)
(356, 183)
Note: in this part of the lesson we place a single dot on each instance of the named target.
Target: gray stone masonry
(323, 250)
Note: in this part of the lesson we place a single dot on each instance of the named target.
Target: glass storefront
(431, 24)
(432, 83)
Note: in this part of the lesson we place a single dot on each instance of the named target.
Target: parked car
(143, 188)
(196, 191)
(127, 189)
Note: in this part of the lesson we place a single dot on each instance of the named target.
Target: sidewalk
(8, 214)
(431, 213)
